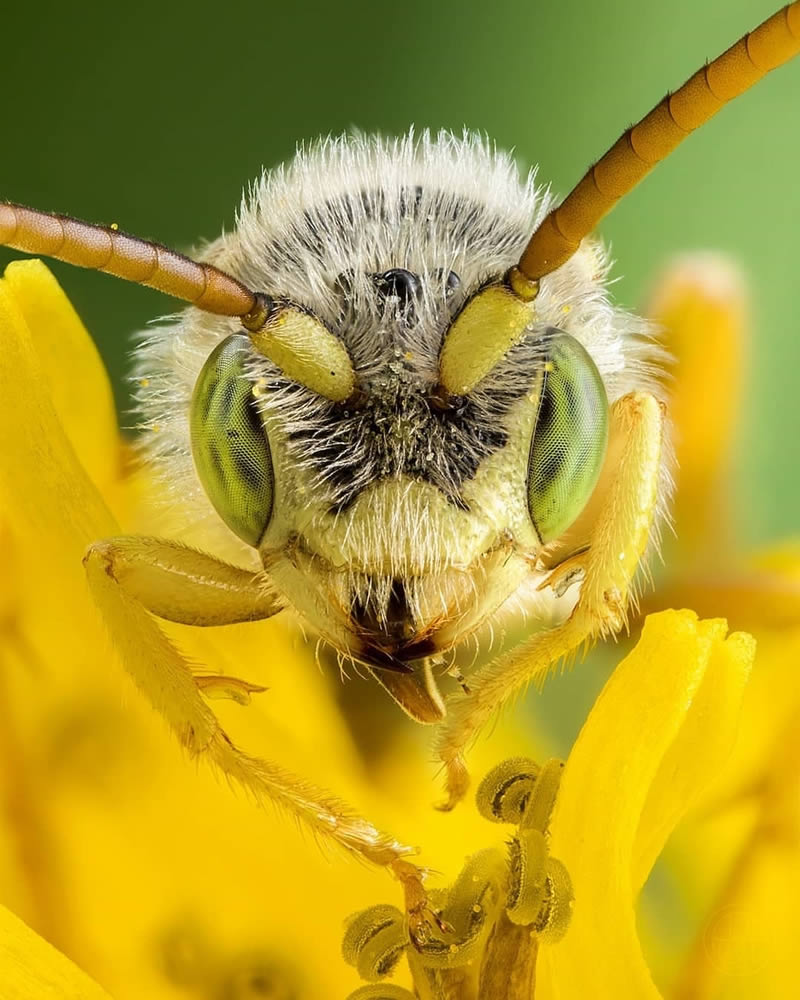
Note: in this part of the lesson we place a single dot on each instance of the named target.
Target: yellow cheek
(400, 527)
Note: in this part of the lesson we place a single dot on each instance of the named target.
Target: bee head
(398, 517)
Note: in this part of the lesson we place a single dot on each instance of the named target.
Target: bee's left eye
(570, 436)
(229, 442)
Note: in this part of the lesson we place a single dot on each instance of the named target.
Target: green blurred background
(156, 114)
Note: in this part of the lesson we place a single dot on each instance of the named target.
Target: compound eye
(229, 442)
(569, 438)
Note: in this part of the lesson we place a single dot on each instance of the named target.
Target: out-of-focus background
(156, 115)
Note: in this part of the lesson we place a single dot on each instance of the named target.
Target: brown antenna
(106, 249)
(295, 340)
(640, 148)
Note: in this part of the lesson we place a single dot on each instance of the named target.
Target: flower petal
(44, 485)
(702, 746)
(75, 378)
(30, 967)
(701, 305)
(739, 861)
(617, 763)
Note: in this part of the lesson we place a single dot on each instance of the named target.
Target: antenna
(104, 248)
(653, 138)
(291, 337)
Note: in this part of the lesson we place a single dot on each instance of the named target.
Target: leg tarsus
(421, 915)
(456, 782)
(456, 673)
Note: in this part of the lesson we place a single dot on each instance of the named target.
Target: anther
(374, 941)
(527, 886)
(554, 917)
(539, 807)
(470, 907)
(505, 792)
(540, 893)
(385, 991)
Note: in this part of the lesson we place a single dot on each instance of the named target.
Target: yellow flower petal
(700, 749)
(700, 304)
(634, 738)
(31, 969)
(748, 940)
(75, 379)
(44, 487)
(739, 859)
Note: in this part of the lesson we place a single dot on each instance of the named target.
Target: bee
(402, 405)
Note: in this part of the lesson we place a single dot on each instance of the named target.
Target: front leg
(616, 545)
(184, 585)
(123, 585)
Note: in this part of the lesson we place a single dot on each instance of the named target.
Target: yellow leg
(183, 585)
(616, 544)
(165, 677)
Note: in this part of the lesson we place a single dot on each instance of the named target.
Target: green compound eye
(569, 438)
(229, 442)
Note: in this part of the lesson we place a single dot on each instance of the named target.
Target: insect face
(397, 521)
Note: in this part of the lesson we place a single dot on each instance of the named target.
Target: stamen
(374, 941)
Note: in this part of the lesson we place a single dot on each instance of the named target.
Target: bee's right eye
(570, 437)
(229, 441)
